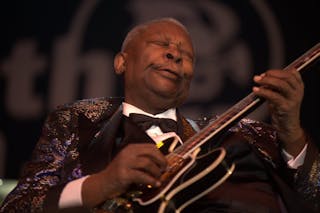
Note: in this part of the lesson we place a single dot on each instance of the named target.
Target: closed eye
(185, 54)
(160, 43)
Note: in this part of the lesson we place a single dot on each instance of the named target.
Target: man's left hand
(284, 92)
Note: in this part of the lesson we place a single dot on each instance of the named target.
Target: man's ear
(119, 63)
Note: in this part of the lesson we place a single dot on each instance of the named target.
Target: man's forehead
(162, 25)
(167, 31)
(157, 28)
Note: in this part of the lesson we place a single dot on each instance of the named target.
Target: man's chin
(175, 98)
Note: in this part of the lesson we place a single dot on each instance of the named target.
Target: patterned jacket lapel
(97, 153)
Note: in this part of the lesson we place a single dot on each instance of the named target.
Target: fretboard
(240, 109)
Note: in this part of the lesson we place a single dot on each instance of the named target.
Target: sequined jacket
(61, 155)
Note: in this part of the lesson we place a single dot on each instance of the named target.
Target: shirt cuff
(292, 162)
(71, 194)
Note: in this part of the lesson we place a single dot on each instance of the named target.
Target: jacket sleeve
(307, 177)
(43, 173)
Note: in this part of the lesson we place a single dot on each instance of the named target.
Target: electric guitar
(191, 174)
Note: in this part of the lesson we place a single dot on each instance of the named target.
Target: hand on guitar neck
(283, 91)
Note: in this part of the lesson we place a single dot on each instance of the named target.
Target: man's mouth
(168, 73)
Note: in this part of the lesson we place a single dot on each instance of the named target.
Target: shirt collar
(127, 109)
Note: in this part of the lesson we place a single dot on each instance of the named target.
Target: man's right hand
(136, 163)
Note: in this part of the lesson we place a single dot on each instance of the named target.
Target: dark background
(46, 21)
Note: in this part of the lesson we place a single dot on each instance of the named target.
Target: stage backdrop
(55, 52)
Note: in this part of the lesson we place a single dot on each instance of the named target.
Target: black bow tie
(145, 122)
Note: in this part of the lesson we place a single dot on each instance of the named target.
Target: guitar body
(208, 171)
(200, 173)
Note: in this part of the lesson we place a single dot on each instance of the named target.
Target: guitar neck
(242, 108)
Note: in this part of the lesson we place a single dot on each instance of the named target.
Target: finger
(297, 76)
(147, 165)
(270, 95)
(131, 154)
(152, 152)
(140, 177)
(292, 77)
(126, 174)
(276, 84)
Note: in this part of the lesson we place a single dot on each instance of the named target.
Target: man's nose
(174, 54)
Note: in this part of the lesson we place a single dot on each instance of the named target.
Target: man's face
(159, 67)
